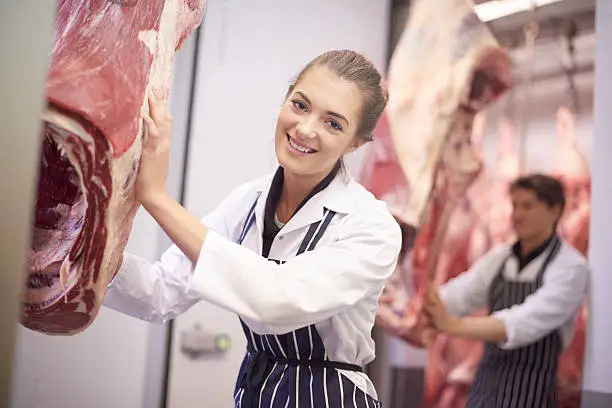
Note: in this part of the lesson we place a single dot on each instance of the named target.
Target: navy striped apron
(292, 369)
(520, 378)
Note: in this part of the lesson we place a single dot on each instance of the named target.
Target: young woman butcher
(300, 255)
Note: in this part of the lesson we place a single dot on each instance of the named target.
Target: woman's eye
(334, 124)
(299, 105)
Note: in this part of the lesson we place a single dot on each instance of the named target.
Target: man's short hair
(548, 189)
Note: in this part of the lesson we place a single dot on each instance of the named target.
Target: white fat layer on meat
(162, 45)
(149, 39)
(66, 123)
(64, 272)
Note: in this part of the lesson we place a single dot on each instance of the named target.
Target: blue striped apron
(523, 377)
(292, 369)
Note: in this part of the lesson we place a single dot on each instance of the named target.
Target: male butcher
(533, 288)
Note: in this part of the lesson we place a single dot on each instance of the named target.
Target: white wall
(249, 53)
(598, 361)
(118, 360)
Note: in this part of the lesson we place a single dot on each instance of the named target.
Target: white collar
(336, 197)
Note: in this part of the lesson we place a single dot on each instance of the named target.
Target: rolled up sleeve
(556, 302)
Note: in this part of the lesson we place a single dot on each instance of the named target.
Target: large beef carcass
(446, 67)
(106, 57)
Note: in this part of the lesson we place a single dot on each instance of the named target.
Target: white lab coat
(336, 286)
(554, 306)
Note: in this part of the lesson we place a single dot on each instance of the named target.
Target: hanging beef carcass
(451, 362)
(106, 57)
(445, 68)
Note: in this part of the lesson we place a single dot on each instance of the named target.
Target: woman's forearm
(185, 230)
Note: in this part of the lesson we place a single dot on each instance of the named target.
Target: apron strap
(556, 247)
(259, 355)
(315, 232)
(248, 223)
(259, 364)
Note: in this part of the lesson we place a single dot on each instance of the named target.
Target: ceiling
(554, 20)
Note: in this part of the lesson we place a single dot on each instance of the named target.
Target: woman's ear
(356, 144)
(351, 148)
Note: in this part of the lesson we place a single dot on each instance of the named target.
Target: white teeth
(299, 148)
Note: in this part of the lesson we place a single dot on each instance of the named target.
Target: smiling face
(318, 124)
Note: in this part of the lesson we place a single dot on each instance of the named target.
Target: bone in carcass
(106, 56)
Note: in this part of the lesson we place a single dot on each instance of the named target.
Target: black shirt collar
(524, 260)
(276, 187)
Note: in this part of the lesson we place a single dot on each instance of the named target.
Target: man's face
(531, 217)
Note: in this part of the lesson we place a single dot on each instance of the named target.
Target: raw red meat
(106, 56)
